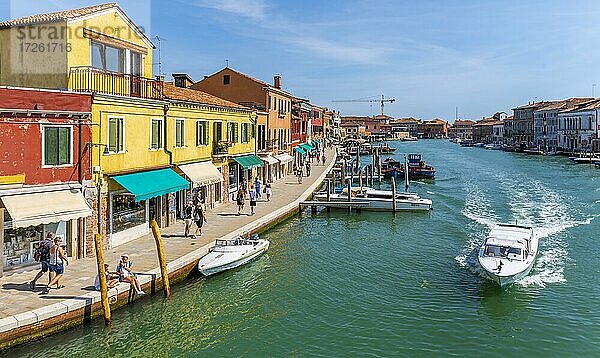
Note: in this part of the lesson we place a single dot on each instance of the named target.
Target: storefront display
(126, 213)
(20, 243)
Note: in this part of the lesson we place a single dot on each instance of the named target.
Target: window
(156, 134)
(179, 133)
(57, 145)
(115, 135)
(201, 133)
(107, 57)
(226, 79)
(245, 133)
(232, 132)
(269, 102)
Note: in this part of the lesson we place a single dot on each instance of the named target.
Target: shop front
(269, 169)
(135, 199)
(285, 164)
(206, 180)
(30, 216)
(242, 169)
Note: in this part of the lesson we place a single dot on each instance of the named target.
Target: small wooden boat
(228, 254)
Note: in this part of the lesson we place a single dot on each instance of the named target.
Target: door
(136, 74)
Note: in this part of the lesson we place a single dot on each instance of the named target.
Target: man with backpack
(42, 255)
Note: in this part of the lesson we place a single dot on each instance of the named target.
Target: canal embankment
(26, 315)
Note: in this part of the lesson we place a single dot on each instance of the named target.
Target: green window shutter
(120, 135)
(50, 146)
(64, 146)
(206, 133)
(236, 130)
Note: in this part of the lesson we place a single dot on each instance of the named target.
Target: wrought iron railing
(90, 79)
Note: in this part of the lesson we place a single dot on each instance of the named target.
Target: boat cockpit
(507, 252)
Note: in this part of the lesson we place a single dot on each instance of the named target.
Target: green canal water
(376, 284)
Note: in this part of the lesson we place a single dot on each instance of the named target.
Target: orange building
(273, 127)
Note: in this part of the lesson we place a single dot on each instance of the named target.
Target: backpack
(43, 250)
(187, 212)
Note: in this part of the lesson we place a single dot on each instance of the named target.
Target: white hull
(217, 261)
(382, 204)
(506, 270)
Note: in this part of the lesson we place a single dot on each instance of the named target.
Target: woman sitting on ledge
(126, 274)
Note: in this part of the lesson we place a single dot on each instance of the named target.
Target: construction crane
(382, 101)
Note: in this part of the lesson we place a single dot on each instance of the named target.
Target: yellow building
(209, 136)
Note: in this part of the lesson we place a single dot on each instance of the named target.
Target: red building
(435, 128)
(45, 139)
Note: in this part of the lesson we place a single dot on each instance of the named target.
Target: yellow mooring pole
(162, 260)
(102, 275)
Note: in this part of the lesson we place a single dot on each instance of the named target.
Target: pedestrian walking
(318, 158)
(268, 192)
(323, 158)
(244, 186)
(57, 263)
(199, 218)
(42, 255)
(252, 195)
(188, 211)
(307, 169)
(257, 186)
(240, 200)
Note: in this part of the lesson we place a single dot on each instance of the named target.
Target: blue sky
(431, 56)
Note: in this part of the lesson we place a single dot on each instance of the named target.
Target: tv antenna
(159, 63)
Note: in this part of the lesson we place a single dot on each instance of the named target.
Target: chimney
(182, 80)
(277, 81)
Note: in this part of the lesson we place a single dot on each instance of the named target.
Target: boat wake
(531, 203)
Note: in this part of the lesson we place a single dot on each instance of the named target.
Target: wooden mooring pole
(102, 276)
(162, 260)
(349, 197)
(393, 194)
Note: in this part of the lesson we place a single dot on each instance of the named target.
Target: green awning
(249, 161)
(307, 147)
(146, 185)
(300, 150)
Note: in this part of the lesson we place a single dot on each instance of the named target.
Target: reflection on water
(340, 284)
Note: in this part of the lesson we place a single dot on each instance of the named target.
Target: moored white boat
(228, 254)
(508, 253)
(379, 200)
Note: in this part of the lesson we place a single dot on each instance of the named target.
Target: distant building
(435, 128)
(410, 125)
(578, 127)
(545, 122)
(522, 126)
(462, 128)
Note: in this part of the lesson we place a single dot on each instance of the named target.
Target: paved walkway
(16, 296)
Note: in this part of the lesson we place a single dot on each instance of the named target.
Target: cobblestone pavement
(16, 296)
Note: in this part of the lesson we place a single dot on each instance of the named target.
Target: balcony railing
(222, 148)
(89, 79)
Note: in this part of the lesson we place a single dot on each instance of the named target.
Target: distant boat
(417, 168)
(228, 254)
(585, 160)
(533, 151)
(493, 146)
(409, 139)
(479, 145)
(508, 253)
(466, 143)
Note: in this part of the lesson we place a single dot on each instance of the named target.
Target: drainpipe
(166, 132)
(169, 153)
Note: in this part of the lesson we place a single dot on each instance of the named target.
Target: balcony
(221, 148)
(89, 79)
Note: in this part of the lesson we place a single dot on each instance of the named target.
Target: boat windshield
(514, 253)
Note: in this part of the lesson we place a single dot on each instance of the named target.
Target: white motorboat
(228, 254)
(380, 200)
(508, 253)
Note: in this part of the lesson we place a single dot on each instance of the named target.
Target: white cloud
(340, 52)
(256, 9)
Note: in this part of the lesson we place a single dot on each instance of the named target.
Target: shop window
(201, 133)
(156, 134)
(179, 133)
(115, 135)
(126, 213)
(57, 146)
